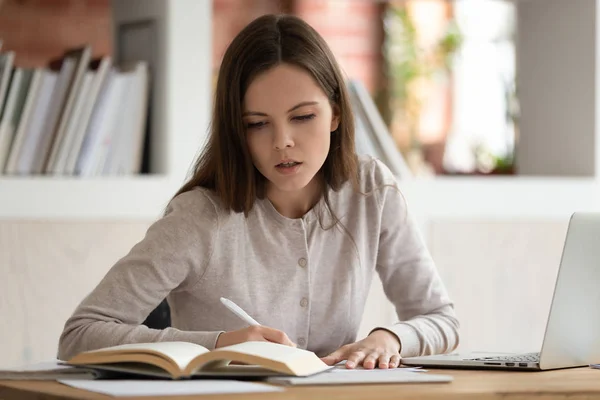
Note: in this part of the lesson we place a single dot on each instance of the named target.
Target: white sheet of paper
(341, 366)
(168, 388)
(377, 370)
(360, 376)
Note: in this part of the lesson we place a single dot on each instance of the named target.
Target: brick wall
(353, 30)
(231, 16)
(38, 30)
(42, 29)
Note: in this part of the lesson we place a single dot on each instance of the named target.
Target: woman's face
(288, 120)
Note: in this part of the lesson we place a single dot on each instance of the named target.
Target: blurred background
(485, 109)
(441, 73)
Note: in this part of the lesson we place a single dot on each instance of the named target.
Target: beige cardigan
(290, 274)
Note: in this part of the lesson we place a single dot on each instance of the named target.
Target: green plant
(409, 64)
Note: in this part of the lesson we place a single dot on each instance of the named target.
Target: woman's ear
(335, 118)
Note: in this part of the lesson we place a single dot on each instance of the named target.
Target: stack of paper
(49, 370)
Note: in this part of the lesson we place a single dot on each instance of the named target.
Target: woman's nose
(282, 138)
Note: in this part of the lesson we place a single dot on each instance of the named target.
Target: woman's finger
(394, 361)
(355, 359)
(275, 335)
(336, 356)
(370, 360)
(384, 361)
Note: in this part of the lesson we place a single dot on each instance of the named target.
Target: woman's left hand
(380, 349)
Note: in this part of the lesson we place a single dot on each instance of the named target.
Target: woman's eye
(304, 117)
(255, 125)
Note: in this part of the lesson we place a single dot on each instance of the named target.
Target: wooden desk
(576, 383)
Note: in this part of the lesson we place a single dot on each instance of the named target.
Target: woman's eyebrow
(304, 103)
(261, 114)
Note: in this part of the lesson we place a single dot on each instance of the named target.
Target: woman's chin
(290, 184)
(289, 187)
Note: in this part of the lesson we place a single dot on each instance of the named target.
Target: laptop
(572, 335)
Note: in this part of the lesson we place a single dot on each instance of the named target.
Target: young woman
(281, 217)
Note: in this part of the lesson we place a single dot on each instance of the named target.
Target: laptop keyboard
(530, 357)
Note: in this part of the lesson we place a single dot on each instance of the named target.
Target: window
(453, 104)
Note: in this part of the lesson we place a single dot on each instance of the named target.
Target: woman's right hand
(257, 333)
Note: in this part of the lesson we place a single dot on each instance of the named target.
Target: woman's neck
(295, 204)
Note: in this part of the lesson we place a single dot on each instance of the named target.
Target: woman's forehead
(281, 88)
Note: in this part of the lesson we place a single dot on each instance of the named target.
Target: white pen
(238, 311)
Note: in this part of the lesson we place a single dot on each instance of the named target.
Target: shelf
(501, 197)
(140, 198)
(180, 56)
(145, 197)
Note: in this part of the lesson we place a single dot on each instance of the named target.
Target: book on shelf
(177, 360)
(74, 84)
(9, 103)
(371, 133)
(77, 115)
(6, 65)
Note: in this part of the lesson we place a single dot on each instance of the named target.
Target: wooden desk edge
(576, 383)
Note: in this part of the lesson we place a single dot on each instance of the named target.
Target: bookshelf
(174, 36)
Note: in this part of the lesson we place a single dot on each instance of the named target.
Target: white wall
(500, 275)
(47, 268)
(556, 85)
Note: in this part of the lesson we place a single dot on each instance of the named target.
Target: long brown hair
(225, 164)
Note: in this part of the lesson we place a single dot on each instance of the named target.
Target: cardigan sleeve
(172, 256)
(427, 322)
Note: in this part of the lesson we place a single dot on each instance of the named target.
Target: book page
(274, 356)
(272, 351)
(181, 353)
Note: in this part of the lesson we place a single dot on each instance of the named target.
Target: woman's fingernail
(350, 364)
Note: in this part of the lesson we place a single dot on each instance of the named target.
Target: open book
(178, 360)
